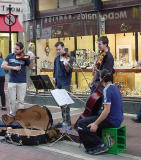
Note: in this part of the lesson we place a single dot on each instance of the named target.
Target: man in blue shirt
(17, 78)
(90, 128)
(62, 77)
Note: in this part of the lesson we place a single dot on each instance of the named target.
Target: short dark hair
(107, 74)
(59, 43)
(20, 44)
(104, 39)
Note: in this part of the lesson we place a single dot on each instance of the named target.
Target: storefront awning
(16, 27)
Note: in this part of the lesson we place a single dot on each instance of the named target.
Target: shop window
(80, 2)
(124, 53)
(47, 4)
(65, 3)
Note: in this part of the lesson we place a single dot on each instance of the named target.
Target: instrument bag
(37, 126)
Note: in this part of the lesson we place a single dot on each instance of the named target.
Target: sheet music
(62, 97)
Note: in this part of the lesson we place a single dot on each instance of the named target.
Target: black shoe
(3, 108)
(98, 150)
(137, 120)
(58, 125)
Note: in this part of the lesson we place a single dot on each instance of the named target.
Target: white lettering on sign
(87, 16)
(16, 9)
(108, 16)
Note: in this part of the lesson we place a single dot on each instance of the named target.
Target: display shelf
(90, 70)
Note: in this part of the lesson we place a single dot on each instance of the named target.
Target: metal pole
(35, 38)
(98, 24)
(10, 41)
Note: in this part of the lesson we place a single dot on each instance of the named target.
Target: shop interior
(84, 51)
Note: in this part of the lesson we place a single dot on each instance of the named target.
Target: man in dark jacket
(62, 77)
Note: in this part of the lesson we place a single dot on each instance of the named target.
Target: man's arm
(7, 67)
(94, 126)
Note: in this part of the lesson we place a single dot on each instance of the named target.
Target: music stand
(63, 99)
(42, 82)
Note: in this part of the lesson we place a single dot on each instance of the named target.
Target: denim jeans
(91, 139)
(66, 109)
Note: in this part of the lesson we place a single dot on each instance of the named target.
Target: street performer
(90, 128)
(62, 75)
(17, 77)
(105, 61)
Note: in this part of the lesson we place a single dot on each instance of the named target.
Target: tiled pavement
(71, 150)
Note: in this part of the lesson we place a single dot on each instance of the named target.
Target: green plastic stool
(115, 138)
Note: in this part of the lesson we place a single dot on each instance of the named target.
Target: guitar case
(37, 126)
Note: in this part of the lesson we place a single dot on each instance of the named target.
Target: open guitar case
(36, 123)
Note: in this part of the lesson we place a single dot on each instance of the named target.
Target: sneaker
(137, 120)
(67, 127)
(58, 125)
(98, 150)
(61, 124)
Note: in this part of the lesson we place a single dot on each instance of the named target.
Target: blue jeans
(91, 139)
(66, 110)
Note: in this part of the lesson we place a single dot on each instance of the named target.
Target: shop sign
(106, 16)
(85, 17)
(17, 9)
(86, 23)
(46, 33)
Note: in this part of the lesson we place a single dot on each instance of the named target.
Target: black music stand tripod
(41, 82)
(64, 130)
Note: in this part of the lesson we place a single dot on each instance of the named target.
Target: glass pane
(80, 2)
(65, 3)
(47, 4)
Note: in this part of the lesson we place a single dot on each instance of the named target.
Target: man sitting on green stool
(90, 128)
